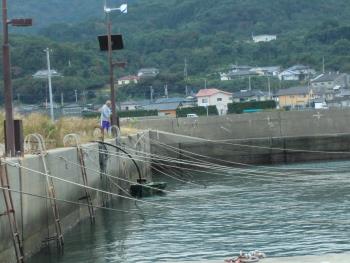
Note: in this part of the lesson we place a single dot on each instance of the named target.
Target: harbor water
(287, 211)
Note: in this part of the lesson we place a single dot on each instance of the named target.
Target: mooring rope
(262, 147)
(236, 163)
(87, 187)
(131, 182)
(66, 201)
(262, 178)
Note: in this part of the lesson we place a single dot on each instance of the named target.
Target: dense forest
(161, 34)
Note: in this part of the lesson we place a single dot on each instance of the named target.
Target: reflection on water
(282, 215)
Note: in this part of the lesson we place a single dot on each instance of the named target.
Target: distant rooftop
(294, 91)
(45, 73)
(326, 77)
(210, 92)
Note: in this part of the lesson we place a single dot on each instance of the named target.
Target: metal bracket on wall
(40, 149)
(74, 139)
(10, 213)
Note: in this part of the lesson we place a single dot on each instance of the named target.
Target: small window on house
(126, 108)
(204, 100)
(219, 99)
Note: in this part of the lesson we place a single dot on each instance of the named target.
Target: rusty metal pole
(10, 140)
(111, 70)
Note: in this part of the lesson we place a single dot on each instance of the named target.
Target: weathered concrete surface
(34, 215)
(255, 125)
(269, 150)
(331, 258)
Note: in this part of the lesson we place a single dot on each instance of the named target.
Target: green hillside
(211, 35)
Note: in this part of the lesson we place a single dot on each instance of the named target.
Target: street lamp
(123, 9)
(49, 73)
(10, 131)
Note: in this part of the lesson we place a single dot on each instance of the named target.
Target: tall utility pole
(151, 93)
(111, 70)
(62, 99)
(166, 94)
(323, 65)
(76, 96)
(107, 10)
(186, 77)
(10, 131)
(269, 86)
(49, 76)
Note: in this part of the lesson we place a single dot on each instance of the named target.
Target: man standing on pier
(106, 117)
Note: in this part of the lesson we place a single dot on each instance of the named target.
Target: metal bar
(111, 70)
(10, 212)
(85, 181)
(10, 131)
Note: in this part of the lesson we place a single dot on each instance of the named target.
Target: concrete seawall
(34, 215)
(254, 125)
(271, 150)
(269, 137)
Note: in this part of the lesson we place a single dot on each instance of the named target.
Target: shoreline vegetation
(54, 133)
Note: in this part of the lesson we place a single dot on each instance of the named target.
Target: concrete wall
(34, 215)
(255, 125)
(268, 150)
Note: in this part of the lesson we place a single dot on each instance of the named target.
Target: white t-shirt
(105, 113)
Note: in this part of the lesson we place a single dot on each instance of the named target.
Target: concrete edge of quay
(34, 215)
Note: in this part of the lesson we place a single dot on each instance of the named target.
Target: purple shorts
(105, 125)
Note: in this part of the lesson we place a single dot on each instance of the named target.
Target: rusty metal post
(111, 70)
(10, 141)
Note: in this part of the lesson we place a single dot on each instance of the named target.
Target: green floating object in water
(152, 188)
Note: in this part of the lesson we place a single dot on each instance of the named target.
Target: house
(218, 98)
(264, 38)
(44, 73)
(340, 100)
(237, 71)
(128, 80)
(250, 95)
(272, 71)
(247, 71)
(297, 73)
(129, 105)
(165, 108)
(185, 102)
(324, 93)
(133, 105)
(320, 104)
(148, 73)
(331, 80)
(294, 97)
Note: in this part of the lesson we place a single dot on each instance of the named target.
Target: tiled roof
(326, 77)
(210, 92)
(294, 91)
(248, 93)
(162, 106)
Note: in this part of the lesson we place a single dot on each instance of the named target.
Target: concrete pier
(34, 215)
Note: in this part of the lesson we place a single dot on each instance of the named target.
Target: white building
(297, 72)
(148, 73)
(214, 97)
(264, 38)
(128, 80)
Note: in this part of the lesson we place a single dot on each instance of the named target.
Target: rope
(87, 187)
(65, 201)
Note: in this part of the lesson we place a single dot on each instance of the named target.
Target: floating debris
(251, 257)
